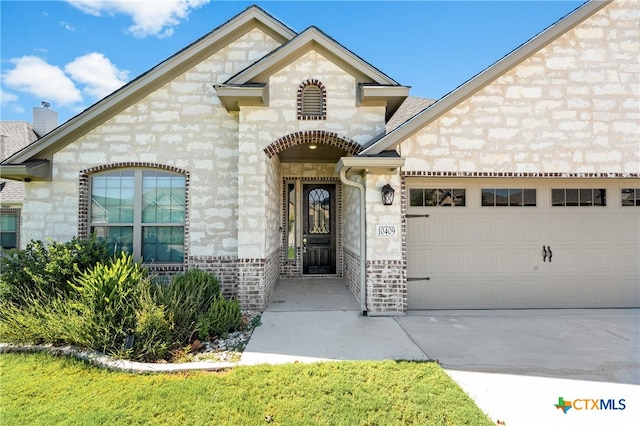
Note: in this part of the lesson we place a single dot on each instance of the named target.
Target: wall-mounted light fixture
(387, 195)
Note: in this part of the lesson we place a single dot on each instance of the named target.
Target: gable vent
(311, 101)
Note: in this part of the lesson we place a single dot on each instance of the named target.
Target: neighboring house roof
(15, 136)
(373, 84)
(252, 17)
(484, 78)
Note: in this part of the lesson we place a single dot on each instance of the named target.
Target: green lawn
(39, 389)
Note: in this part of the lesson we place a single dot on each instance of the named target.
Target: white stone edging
(101, 360)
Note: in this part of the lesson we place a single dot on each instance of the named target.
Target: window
(311, 101)
(291, 221)
(430, 197)
(140, 212)
(9, 230)
(579, 197)
(495, 197)
(630, 197)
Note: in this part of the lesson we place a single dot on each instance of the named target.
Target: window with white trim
(140, 211)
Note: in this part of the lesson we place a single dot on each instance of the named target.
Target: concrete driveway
(514, 364)
(517, 364)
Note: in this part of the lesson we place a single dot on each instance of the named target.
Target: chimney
(44, 119)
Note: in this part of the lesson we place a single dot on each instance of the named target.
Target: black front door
(318, 239)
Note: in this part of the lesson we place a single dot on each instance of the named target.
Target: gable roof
(372, 84)
(484, 78)
(252, 17)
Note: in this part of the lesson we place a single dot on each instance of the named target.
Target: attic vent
(311, 101)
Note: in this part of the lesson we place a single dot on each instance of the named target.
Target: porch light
(387, 195)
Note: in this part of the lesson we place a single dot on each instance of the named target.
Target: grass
(39, 389)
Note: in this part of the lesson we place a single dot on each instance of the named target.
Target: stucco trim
(98, 113)
(484, 78)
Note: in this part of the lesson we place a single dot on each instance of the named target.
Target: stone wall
(572, 107)
(181, 125)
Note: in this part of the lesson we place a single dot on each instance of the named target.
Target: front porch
(311, 294)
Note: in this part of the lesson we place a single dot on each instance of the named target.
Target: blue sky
(73, 53)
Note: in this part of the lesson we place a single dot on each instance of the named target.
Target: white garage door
(559, 252)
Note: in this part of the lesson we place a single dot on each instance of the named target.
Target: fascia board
(314, 38)
(485, 77)
(374, 164)
(150, 81)
(232, 97)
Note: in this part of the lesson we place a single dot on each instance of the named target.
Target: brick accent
(256, 280)
(224, 267)
(319, 137)
(612, 175)
(319, 85)
(386, 286)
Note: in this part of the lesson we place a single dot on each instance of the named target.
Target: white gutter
(363, 239)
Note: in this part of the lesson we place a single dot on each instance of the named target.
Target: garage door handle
(544, 253)
(419, 279)
(550, 254)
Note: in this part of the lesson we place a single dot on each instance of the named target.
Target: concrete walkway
(514, 364)
(318, 320)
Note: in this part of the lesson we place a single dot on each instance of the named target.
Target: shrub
(110, 296)
(223, 316)
(187, 297)
(47, 268)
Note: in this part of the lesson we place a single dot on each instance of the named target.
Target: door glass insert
(319, 218)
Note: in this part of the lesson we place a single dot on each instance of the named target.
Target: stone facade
(571, 108)
(568, 110)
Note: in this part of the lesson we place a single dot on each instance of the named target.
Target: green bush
(47, 268)
(109, 296)
(223, 316)
(187, 297)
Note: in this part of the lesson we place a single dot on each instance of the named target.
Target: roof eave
(310, 38)
(37, 171)
(378, 165)
(151, 80)
(485, 77)
(234, 96)
(389, 96)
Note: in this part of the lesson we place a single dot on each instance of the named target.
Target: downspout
(363, 239)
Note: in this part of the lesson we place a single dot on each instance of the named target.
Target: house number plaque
(386, 231)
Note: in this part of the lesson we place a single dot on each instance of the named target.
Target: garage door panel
(491, 257)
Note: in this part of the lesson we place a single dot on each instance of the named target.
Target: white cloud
(34, 75)
(150, 17)
(6, 98)
(67, 26)
(96, 72)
